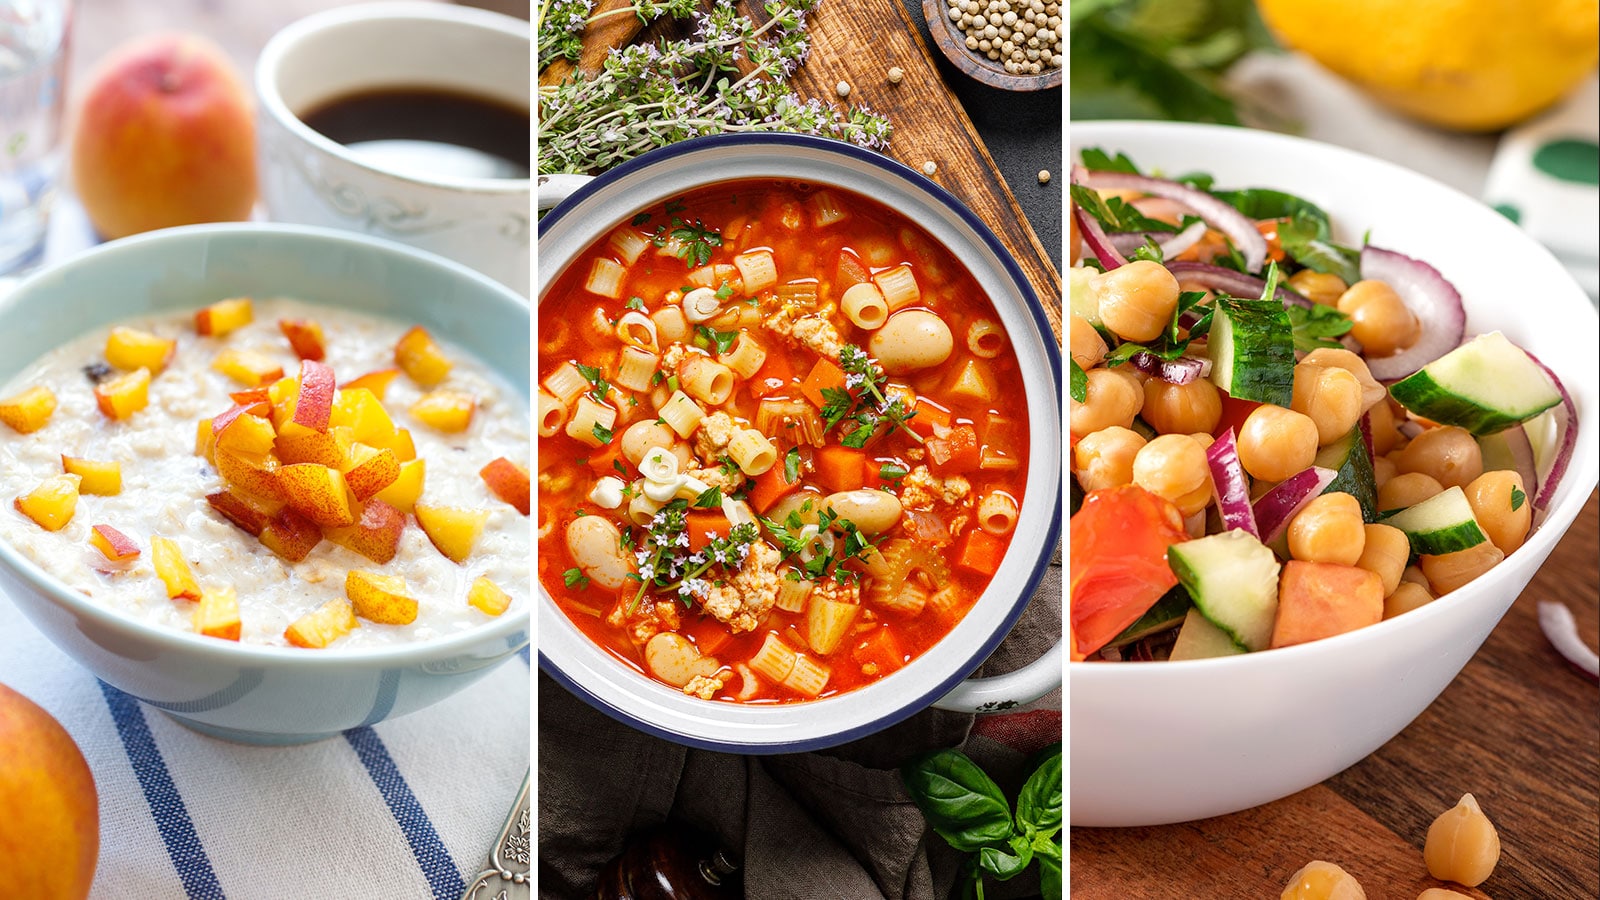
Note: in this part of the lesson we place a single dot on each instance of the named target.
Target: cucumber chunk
(1199, 639)
(1348, 457)
(1442, 523)
(1252, 350)
(1485, 385)
(1233, 579)
(1167, 613)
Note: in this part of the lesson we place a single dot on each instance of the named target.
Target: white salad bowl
(590, 210)
(245, 692)
(1155, 743)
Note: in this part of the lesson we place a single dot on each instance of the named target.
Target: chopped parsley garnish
(861, 401)
(892, 472)
(602, 433)
(723, 340)
(1150, 250)
(727, 465)
(1317, 326)
(1115, 214)
(674, 206)
(596, 377)
(665, 562)
(621, 470)
(695, 241)
(1080, 383)
(710, 498)
(640, 219)
(657, 377)
(1517, 498)
(635, 303)
(725, 291)
(575, 578)
(815, 556)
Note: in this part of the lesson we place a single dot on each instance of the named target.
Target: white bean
(596, 546)
(642, 436)
(673, 659)
(911, 339)
(873, 512)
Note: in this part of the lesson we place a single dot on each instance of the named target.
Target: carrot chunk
(840, 468)
(822, 376)
(980, 552)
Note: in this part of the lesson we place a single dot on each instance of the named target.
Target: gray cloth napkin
(830, 825)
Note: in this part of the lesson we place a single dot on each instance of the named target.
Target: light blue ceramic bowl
(263, 695)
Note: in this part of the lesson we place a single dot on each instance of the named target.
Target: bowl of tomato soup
(799, 455)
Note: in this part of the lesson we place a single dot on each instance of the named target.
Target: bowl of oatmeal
(271, 480)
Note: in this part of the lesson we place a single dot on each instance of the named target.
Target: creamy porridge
(167, 473)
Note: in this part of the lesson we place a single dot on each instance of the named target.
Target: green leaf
(1150, 250)
(1317, 326)
(1002, 865)
(723, 340)
(602, 434)
(895, 472)
(1517, 498)
(1050, 877)
(1039, 802)
(575, 578)
(1096, 160)
(635, 303)
(640, 219)
(961, 803)
(710, 498)
(1113, 213)
(791, 466)
(1079, 384)
(1263, 203)
(1303, 242)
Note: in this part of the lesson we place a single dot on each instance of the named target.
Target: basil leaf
(1080, 383)
(1049, 876)
(1039, 803)
(1002, 865)
(962, 804)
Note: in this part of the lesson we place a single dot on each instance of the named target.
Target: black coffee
(429, 132)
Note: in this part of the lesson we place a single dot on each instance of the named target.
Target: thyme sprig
(664, 559)
(816, 558)
(863, 381)
(653, 94)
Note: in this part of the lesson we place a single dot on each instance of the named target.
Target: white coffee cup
(309, 179)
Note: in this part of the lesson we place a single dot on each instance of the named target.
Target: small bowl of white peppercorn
(1014, 45)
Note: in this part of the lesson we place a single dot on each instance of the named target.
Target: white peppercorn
(1024, 36)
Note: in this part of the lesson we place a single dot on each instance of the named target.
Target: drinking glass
(33, 57)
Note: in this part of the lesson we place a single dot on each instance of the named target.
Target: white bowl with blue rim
(1162, 742)
(585, 210)
(244, 692)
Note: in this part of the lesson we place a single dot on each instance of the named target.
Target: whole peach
(49, 811)
(165, 136)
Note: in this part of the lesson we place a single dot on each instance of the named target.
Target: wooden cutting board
(1519, 729)
(857, 42)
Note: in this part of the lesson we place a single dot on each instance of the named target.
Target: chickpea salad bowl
(186, 459)
(1317, 449)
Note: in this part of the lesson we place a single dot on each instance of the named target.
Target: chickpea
(1331, 398)
(1320, 880)
(1105, 458)
(1442, 894)
(1323, 288)
(1385, 437)
(1462, 845)
(1372, 392)
(1407, 596)
(1379, 319)
(1407, 489)
(1386, 552)
(1112, 399)
(1203, 439)
(1328, 530)
(1502, 516)
(1088, 348)
(1173, 466)
(1383, 469)
(1181, 408)
(1448, 571)
(1413, 575)
(1137, 300)
(1275, 443)
(1449, 454)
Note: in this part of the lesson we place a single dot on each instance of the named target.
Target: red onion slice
(1182, 370)
(1231, 488)
(1227, 281)
(1569, 440)
(1561, 629)
(1219, 215)
(1128, 241)
(1430, 297)
(1100, 246)
(1274, 511)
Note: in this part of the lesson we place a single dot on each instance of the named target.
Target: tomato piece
(1118, 559)
(1234, 412)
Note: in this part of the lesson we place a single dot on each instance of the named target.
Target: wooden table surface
(1519, 729)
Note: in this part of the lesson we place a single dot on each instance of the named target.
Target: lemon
(1474, 65)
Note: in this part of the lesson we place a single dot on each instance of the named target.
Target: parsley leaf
(710, 498)
(575, 578)
(791, 466)
(724, 340)
(1517, 498)
(621, 470)
(1317, 326)
(595, 376)
(695, 242)
(601, 433)
(635, 303)
(1080, 383)
(1303, 240)
(1114, 213)
(640, 219)
(1150, 250)
(725, 291)
(892, 472)
(1097, 160)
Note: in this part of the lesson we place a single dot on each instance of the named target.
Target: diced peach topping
(124, 395)
(400, 443)
(248, 367)
(360, 410)
(305, 337)
(446, 411)
(376, 536)
(217, 614)
(487, 596)
(100, 478)
(247, 435)
(319, 493)
(380, 598)
(251, 397)
(419, 357)
(224, 316)
(407, 487)
(371, 470)
(237, 510)
(453, 531)
(509, 482)
(255, 475)
(376, 382)
(52, 503)
(291, 535)
(331, 448)
(205, 440)
(28, 411)
(130, 348)
(314, 404)
(173, 569)
(323, 625)
(113, 544)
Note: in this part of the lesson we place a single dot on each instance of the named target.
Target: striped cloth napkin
(408, 808)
